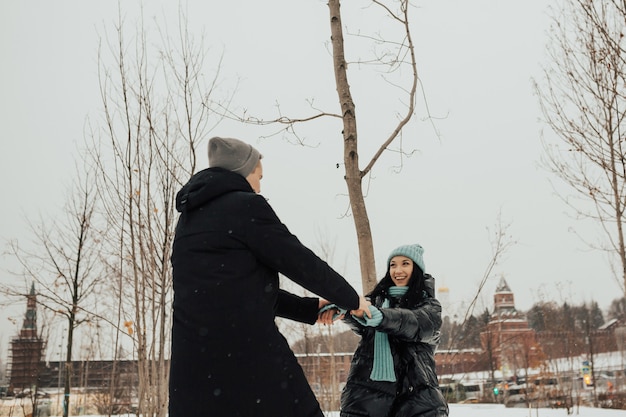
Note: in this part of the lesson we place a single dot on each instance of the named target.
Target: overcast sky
(476, 61)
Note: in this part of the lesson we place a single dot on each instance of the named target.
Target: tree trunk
(353, 175)
(68, 368)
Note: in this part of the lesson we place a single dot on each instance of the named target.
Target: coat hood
(207, 185)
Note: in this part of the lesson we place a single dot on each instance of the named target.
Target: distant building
(26, 352)
(460, 361)
(509, 345)
(512, 343)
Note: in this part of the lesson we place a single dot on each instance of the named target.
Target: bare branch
(583, 103)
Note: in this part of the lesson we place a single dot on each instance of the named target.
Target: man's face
(254, 178)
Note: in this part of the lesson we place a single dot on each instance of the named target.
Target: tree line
(459, 335)
(542, 317)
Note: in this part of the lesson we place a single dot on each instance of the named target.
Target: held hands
(364, 309)
(329, 316)
(328, 313)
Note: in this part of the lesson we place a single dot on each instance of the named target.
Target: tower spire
(29, 325)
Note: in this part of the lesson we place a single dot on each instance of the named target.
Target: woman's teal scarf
(383, 369)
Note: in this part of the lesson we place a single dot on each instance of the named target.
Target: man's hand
(328, 316)
(322, 303)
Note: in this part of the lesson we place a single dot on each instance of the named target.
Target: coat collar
(207, 185)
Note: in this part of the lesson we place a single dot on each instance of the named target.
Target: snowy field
(498, 410)
(483, 410)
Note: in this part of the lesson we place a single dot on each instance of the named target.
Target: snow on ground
(498, 410)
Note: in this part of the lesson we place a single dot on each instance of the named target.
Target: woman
(393, 369)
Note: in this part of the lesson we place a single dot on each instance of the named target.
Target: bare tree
(64, 265)
(154, 118)
(501, 242)
(583, 103)
(395, 57)
(404, 56)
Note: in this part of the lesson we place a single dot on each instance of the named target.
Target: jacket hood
(207, 185)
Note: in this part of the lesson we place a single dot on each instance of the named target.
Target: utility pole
(589, 342)
(60, 355)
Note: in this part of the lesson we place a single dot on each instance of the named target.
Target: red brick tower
(512, 342)
(26, 349)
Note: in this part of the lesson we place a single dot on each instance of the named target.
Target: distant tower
(443, 295)
(26, 349)
(508, 336)
(504, 301)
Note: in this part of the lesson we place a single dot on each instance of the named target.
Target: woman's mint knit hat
(414, 252)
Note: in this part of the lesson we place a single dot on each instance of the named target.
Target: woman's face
(400, 269)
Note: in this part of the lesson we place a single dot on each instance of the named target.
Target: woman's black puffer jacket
(412, 324)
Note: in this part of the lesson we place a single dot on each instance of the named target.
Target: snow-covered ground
(498, 410)
(473, 410)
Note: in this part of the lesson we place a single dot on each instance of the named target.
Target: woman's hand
(363, 310)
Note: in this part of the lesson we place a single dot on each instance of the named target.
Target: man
(228, 357)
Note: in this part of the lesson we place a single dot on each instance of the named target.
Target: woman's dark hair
(414, 294)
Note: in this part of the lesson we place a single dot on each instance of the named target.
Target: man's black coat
(228, 357)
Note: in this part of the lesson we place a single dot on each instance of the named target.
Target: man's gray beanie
(233, 155)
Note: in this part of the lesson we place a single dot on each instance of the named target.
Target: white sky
(476, 61)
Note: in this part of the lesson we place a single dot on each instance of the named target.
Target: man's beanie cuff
(414, 252)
